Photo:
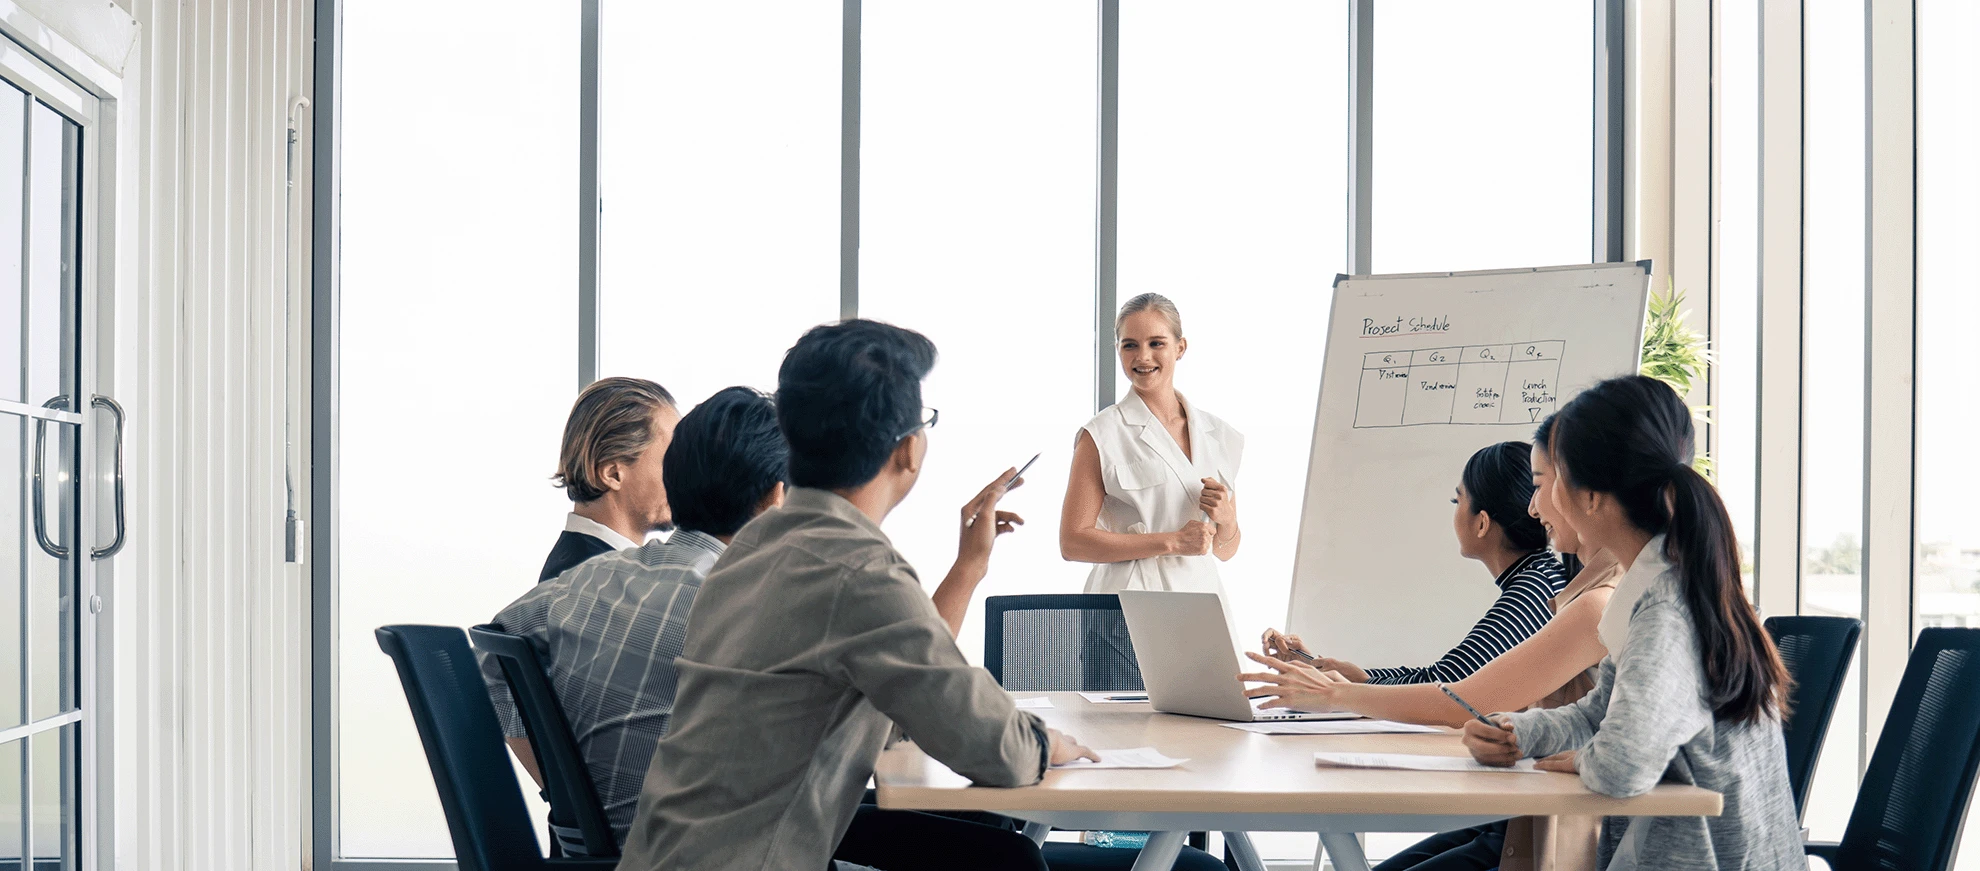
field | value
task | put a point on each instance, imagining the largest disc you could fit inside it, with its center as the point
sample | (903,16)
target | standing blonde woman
(1150,501)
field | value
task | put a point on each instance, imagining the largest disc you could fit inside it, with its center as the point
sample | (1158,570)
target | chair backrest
(1914,794)
(1064,643)
(567,780)
(1817,651)
(478,792)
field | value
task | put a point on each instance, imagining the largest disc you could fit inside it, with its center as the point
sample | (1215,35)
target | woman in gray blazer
(1693,690)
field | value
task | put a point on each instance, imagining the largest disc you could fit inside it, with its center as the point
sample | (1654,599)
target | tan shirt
(1579,686)
(811,637)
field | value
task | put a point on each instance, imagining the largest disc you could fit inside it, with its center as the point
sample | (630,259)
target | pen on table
(1467,706)
(1138,697)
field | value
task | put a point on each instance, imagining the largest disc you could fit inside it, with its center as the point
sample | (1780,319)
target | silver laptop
(1189,660)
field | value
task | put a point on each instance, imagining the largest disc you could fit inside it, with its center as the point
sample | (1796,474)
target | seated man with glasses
(812,638)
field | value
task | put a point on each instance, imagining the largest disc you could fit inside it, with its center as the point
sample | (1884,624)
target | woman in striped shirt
(1494,528)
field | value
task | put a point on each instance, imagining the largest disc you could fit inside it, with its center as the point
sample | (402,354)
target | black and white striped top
(1526,590)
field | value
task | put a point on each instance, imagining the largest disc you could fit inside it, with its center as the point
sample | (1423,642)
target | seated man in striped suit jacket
(611,627)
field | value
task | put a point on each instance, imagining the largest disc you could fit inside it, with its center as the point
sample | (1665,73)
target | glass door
(50,427)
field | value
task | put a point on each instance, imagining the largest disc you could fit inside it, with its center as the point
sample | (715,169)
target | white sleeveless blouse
(1152,487)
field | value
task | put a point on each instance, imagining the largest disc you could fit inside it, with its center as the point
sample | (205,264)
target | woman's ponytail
(1743,671)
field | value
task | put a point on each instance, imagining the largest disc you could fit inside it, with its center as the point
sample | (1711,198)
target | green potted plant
(1677,355)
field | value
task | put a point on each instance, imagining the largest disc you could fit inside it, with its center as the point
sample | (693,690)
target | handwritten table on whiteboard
(1236,781)
(1467,384)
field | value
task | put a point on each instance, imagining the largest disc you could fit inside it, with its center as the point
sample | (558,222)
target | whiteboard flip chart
(1420,372)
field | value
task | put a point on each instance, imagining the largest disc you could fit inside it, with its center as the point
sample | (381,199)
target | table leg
(1161,851)
(1037,832)
(1345,849)
(1242,850)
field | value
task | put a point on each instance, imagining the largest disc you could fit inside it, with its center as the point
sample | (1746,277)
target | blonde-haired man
(610,466)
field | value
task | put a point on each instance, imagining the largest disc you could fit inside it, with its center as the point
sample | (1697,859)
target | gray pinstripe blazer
(612,626)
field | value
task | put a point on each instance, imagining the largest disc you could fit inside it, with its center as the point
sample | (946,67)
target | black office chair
(1064,643)
(478,791)
(1817,651)
(577,817)
(1914,794)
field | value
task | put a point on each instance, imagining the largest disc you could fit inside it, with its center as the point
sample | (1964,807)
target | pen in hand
(1280,645)
(1467,706)
(1009,483)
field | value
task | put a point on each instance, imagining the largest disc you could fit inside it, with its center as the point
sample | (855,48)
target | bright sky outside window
(459,326)
(1233,204)
(978,152)
(719,172)
(1832,430)
(1484,117)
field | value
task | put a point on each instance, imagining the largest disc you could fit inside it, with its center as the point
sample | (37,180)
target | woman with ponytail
(1693,689)
(1493,527)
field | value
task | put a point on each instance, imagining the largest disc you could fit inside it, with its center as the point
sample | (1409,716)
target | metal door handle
(117,477)
(40,519)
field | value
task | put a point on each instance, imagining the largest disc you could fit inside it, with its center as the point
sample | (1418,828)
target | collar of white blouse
(1202,437)
(1643,572)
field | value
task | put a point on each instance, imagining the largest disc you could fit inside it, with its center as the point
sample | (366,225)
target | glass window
(1832,325)
(719,172)
(458,358)
(13,186)
(46,541)
(52,803)
(1484,132)
(54,173)
(1735,412)
(1233,122)
(1948,573)
(976,228)
(12,808)
(1948,120)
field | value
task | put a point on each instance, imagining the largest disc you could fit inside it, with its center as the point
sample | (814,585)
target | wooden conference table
(1236,781)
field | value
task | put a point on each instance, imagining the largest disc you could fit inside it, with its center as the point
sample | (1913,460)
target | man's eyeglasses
(934,414)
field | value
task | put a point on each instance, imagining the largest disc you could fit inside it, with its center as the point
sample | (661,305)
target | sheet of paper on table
(1125,757)
(1035,702)
(1331,727)
(1415,762)
(1120,698)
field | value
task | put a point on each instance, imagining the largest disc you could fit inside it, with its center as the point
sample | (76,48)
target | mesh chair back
(1817,651)
(577,817)
(478,791)
(1066,643)
(1914,794)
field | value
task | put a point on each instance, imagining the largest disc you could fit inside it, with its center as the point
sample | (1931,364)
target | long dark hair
(1570,563)
(1632,438)
(1499,480)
